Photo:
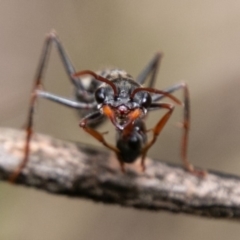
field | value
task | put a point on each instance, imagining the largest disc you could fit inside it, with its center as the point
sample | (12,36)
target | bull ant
(113,94)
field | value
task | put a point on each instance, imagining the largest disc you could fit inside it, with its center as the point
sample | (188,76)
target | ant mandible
(113,94)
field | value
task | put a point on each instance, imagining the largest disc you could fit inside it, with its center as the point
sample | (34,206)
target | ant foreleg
(186,118)
(92,117)
(95,116)
(152,69)
(185,124)
(157,129)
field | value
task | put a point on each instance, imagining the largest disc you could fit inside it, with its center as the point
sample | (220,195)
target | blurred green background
(201,45)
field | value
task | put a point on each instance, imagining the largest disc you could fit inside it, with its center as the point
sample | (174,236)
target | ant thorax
(114,73)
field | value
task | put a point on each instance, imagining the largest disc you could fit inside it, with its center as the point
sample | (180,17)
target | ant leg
(68,66)
(157,129)
(65,101)
(52,37)
(151,68)
(185,124)
(52,97)
(99,136)
(186,121)
(92,117)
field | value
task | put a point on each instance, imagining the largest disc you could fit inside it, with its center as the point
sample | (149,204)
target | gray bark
(77,170)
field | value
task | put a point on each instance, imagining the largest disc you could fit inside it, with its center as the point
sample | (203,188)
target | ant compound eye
(100,95)
(146,100)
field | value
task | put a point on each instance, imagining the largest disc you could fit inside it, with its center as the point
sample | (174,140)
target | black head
(125,87)
(120,97)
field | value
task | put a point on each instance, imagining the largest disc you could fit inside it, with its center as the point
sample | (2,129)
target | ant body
(116,95)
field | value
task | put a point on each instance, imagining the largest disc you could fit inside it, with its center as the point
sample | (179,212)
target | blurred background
(201,45)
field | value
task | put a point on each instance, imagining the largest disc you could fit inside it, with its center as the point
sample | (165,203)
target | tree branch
(81,171)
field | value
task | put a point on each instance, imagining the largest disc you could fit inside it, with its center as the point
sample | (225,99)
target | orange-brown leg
(157,129)
(185,125)
(17,171)
(99,136)
(37,85)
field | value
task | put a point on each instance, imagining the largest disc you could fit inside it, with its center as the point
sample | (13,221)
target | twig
(81,171)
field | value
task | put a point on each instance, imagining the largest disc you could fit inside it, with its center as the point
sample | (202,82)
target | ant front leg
(157,129)
(185,124)
(93,117)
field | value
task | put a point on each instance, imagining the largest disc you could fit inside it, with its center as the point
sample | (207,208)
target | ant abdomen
(130,146)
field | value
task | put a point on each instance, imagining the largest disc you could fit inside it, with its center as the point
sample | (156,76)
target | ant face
(122,108)
(123,103)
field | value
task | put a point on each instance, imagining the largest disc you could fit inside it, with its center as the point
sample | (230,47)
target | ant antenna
(152,90)
(97,77)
